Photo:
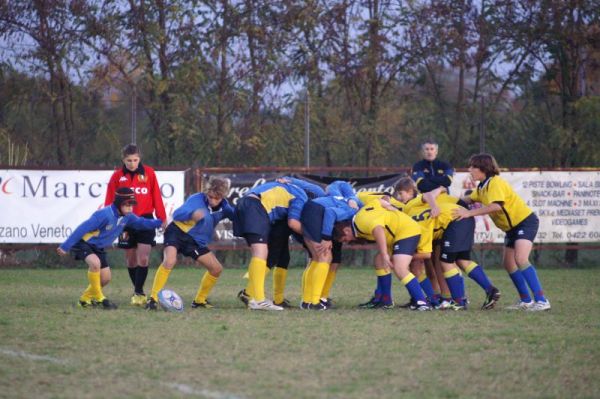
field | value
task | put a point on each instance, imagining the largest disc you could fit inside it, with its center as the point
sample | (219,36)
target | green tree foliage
(228,82)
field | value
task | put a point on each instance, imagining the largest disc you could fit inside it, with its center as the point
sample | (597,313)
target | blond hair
(218,186)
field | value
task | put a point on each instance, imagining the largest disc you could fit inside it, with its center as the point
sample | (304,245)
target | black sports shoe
(493,296)
(284,304)
(305,305)
(151,304)
(202,305)
(369,304)
(108,305)
(318,306)
(328,302)
(244,297)
(406,305)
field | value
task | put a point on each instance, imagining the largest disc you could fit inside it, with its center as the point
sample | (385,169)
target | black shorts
(406,246)
(130,237)
(526,230)
(457,240)
(312,220)
(185,244)
(279,245)
(251,221)
(82,250)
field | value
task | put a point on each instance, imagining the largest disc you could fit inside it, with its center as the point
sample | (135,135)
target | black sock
(140,279)
(131,271)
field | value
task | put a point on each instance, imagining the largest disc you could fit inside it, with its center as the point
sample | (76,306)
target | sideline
(31,356)
(186,389)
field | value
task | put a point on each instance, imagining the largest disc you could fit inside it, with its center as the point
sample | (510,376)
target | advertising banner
(45,206)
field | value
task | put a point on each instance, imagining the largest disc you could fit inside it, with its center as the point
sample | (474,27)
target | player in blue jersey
(318,218)
(189,234)
(256,213)
(89,240)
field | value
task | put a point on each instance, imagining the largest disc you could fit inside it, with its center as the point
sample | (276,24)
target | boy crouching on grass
(189,234)
(90,238)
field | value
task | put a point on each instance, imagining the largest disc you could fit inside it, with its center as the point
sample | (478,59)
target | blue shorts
(82,250)
(251,221)
(526,230)
(185,244)
(312,220)
(406,246)
(457,240)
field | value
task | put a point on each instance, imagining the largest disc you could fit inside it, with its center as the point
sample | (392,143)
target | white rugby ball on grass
(170,301)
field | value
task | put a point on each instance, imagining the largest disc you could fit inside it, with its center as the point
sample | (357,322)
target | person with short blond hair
(189,234)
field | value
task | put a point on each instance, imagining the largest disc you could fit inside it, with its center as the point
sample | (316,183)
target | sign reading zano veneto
(45,206)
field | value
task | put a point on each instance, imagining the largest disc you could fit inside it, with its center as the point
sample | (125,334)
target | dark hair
(124,195)
(218,186)
(338,229)
(429,141)
(405,184)
(485,163)
(130,149)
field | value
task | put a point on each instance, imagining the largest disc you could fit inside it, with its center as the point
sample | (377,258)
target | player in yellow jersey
(510,214)
(396,236)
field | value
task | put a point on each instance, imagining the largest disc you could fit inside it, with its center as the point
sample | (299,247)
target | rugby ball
(170,301)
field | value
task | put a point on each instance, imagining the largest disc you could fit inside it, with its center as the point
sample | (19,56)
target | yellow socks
(279,277)
(307,282)
(206,284)
(94,289)
(160,279)
(328,283)
(257,270)
(318,277)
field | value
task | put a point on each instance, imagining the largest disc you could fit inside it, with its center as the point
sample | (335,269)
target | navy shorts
(279,245)
(185,244)
(457,240)
(526,230)
(312,220)
(82,250)
(251,221)
(130,237)
(406,246)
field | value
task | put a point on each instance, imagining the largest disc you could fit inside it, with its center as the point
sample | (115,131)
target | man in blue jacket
(89,240)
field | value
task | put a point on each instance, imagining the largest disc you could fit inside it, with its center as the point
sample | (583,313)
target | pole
(307,128)
(482,129)
(134,116)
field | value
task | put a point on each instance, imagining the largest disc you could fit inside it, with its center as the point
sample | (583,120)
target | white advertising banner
(567,204)
(45,206)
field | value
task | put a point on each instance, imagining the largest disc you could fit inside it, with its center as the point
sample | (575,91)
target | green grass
(50,348)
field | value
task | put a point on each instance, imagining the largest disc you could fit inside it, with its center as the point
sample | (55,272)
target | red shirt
(144,184)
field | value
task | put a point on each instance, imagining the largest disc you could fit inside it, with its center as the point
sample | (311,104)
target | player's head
(343,232)
(405,189)
(482,166)
(124,200)
(429,149)
(131,156)
(217,189)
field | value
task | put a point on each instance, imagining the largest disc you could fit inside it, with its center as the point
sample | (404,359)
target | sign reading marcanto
(45,206)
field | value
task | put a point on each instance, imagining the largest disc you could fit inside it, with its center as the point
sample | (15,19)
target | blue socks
(520,284)
(530,276)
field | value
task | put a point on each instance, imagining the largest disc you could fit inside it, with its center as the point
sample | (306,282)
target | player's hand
(435,211)
(60,251)
(324,246)
(460,213)
(387,262)
(352,204)
(387,205)
(283,180)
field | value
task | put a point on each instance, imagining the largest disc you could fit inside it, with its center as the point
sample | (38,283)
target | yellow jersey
(396,225)
(496,189)
(367,197)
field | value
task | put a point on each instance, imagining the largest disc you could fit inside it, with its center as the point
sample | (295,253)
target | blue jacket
(281,200)
(201,231)
(336,210)
(343,190)
(105,225)
(430,175)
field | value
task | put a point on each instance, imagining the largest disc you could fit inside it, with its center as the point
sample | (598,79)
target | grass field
(51,349)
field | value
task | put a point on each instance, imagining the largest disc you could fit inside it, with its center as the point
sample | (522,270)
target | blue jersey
(343,190)
(312,190)
(105,225)
(202,230)
(335,210)
(280,200)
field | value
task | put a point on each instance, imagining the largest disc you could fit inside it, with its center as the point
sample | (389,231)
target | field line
(31,356)
(189,390)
